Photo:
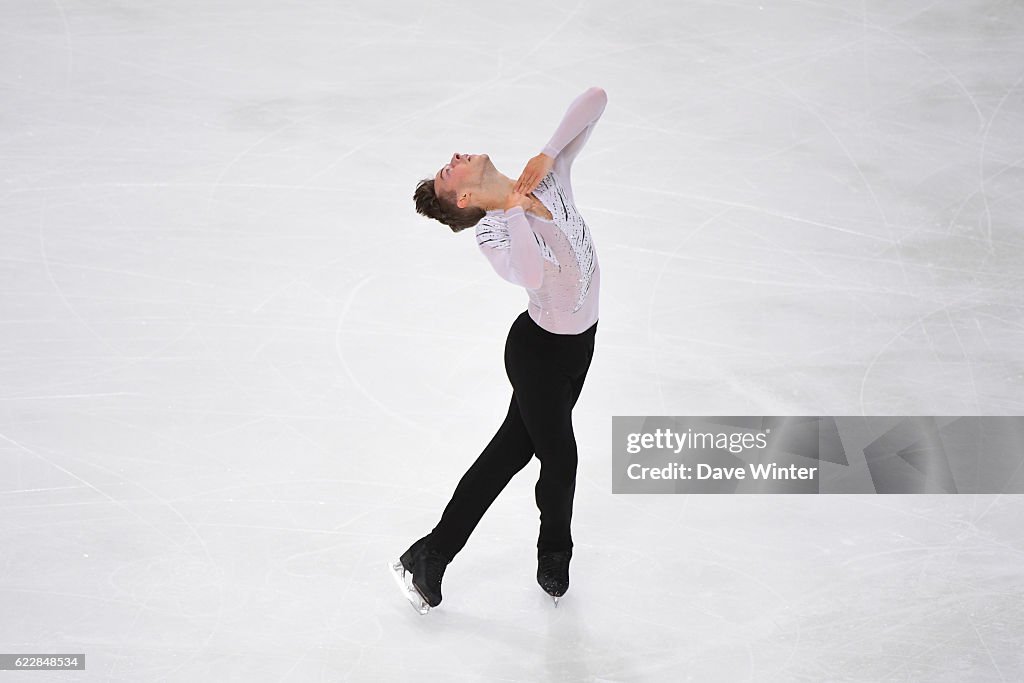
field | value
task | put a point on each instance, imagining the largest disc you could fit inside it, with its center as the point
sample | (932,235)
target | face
(462,173)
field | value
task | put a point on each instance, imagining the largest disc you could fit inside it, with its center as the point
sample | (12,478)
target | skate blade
(399,574)
(556,601)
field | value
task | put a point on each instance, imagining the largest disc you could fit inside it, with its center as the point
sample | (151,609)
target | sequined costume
(554,260)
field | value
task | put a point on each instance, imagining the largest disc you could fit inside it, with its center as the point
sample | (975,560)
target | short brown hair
(443,207)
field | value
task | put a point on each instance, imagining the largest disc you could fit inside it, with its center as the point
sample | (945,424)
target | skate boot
(426,567)
(553,572)
(408,555)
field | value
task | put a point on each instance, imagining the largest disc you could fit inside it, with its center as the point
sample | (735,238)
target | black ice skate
(553,572)
(418,574)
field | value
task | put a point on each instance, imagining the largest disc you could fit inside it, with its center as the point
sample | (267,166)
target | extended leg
(509,450)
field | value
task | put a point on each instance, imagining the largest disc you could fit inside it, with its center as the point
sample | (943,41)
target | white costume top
(554,260)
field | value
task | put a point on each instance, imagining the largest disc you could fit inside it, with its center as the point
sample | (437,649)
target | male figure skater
(533,235)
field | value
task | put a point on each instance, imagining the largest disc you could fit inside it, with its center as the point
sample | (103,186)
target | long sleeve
(515,254)
(575,128)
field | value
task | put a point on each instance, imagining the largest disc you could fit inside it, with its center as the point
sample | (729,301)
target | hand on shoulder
(536,168)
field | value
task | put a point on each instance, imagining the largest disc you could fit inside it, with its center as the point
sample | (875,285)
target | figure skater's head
(461,192)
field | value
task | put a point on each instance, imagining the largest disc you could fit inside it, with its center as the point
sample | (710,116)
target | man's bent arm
(575,127)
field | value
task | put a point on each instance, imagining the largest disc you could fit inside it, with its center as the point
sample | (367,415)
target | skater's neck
(496,192)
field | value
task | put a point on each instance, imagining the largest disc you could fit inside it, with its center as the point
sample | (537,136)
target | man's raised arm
(575,128)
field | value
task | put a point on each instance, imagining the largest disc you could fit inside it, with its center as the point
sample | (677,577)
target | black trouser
(547,372)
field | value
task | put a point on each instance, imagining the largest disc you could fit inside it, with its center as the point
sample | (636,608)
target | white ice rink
(238,372)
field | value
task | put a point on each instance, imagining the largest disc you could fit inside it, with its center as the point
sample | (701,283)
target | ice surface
(238,372)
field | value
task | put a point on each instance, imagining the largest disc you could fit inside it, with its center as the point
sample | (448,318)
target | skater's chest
(538,210)
(556,206)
